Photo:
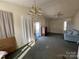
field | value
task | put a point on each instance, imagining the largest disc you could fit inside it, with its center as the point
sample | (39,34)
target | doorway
(37,30)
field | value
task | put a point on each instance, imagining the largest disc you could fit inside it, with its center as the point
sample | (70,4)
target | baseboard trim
(55,33)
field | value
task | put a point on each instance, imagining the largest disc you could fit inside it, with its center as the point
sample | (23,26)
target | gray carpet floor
(52,47)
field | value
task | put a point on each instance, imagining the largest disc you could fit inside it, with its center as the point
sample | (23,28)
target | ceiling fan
(60,15)
(35,10)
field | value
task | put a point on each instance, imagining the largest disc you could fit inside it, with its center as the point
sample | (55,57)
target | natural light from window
(65,25)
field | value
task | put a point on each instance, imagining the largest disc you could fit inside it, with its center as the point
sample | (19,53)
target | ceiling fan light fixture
(35,9)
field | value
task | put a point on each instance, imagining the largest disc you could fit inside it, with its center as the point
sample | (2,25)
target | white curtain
(6,24)
(27,30)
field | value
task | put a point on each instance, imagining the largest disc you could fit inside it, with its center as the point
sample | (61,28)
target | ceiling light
(35,10)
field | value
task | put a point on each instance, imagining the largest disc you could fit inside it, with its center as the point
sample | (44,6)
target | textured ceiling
(52,7)
(27,3)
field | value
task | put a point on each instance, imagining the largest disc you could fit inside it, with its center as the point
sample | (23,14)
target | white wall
(17,11)
(55,26)
(76,21)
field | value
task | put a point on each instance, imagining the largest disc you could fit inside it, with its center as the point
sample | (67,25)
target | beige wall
(76,21)
(17,11)
(42,21)
(55,26)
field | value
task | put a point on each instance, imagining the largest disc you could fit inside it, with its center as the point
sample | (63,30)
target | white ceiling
(52,7)
(27,3)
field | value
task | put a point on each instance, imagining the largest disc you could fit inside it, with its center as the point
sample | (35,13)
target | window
(65,25)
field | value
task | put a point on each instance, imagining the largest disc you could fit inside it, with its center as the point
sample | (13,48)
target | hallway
(52,47)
